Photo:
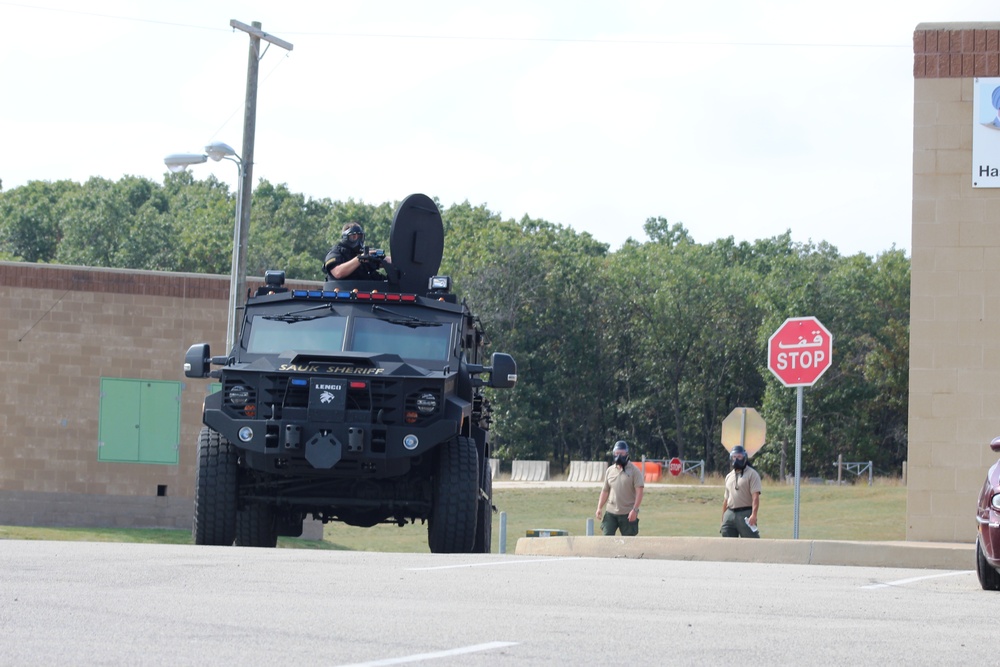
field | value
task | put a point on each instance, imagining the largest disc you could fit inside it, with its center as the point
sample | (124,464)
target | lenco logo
(329,387)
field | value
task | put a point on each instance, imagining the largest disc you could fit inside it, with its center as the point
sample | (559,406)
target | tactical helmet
(352,229)
(738,457)
(619,454)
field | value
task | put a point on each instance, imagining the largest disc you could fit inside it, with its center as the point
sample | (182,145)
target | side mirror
(197,360)
(503,371)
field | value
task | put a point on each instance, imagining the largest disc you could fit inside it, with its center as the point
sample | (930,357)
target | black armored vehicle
(362,402)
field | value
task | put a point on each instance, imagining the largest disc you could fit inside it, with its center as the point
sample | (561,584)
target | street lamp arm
(218,151)
(177,162)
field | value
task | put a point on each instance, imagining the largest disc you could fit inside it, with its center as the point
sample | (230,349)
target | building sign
(986,133)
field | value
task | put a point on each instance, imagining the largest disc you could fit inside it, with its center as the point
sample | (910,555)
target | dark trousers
(734,523)
(612,522)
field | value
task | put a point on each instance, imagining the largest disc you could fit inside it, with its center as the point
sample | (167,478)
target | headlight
(426,403)
(995,501)
(239,395)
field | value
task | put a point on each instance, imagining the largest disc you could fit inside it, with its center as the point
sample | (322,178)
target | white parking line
(491,564)
(901,582)
(434,655)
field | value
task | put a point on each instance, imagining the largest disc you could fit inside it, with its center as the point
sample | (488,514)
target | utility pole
(239,283)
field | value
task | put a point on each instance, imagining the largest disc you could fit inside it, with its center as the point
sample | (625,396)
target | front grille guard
(382,400)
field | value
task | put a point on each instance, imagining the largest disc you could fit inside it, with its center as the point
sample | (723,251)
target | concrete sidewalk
(915,555)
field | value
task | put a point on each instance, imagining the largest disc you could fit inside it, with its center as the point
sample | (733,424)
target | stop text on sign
(803,359)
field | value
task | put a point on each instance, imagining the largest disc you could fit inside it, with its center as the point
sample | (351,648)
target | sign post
(798,353)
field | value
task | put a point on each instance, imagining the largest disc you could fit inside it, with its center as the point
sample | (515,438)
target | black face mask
(739,463)
(621,460)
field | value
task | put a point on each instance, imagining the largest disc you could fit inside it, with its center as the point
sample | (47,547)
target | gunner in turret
(350,259)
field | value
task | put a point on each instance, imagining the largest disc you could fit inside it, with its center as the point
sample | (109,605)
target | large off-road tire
(989,578)
(451,526)
(484,513)
(257,526)
(216,494)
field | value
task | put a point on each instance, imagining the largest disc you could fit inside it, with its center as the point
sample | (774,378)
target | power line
(626,42)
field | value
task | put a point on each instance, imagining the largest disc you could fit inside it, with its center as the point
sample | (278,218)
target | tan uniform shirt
(740,488)
(622,485)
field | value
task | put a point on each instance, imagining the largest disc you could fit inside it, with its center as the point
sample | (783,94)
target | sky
(735,118)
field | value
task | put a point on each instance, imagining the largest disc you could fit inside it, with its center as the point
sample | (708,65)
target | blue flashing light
(299,382)
(300,293)
(315,294)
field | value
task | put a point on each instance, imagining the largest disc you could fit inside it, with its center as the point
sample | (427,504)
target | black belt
(741,509)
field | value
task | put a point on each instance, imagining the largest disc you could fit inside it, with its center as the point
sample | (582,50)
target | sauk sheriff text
(317,368)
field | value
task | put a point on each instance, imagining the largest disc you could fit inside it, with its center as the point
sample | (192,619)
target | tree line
(654,342)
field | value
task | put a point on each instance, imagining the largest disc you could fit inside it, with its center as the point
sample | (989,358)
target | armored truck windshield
(405,334)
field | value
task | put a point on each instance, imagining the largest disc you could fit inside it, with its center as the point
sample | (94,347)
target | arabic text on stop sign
(800,359)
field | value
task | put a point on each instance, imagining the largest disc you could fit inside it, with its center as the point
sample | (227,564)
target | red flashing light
(408,297)
(357,384)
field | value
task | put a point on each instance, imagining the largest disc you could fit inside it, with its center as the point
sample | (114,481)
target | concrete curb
(914,555)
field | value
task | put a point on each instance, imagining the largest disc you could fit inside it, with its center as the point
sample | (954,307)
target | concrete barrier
(586,471)
(917,555)
(529,471)
(494,468)
(312,530)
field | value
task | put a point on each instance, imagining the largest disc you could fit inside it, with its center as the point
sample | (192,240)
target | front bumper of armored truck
(334,426)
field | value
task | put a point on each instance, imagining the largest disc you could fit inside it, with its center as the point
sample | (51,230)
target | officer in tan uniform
(622,493)
(741,498)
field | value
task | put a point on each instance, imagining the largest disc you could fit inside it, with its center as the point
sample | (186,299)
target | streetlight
(219,151)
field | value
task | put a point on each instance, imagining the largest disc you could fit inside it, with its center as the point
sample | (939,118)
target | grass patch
(857,512)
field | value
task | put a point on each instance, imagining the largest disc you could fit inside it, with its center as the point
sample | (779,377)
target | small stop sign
(799,352)
(676,466)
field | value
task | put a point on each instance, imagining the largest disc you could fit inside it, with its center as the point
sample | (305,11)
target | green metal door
(139,421)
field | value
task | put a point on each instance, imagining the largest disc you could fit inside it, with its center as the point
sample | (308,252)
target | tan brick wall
(62,330)
(955,288)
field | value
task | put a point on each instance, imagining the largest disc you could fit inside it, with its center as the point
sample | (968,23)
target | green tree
(287,232)
(121,225)
(31,219)
(203,214)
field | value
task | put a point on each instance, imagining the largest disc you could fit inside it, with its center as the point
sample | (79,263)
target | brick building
(99,425)
(955,287)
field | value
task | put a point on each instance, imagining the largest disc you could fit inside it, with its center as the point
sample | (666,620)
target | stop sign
(745,427)
(676,466)
(799,352)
